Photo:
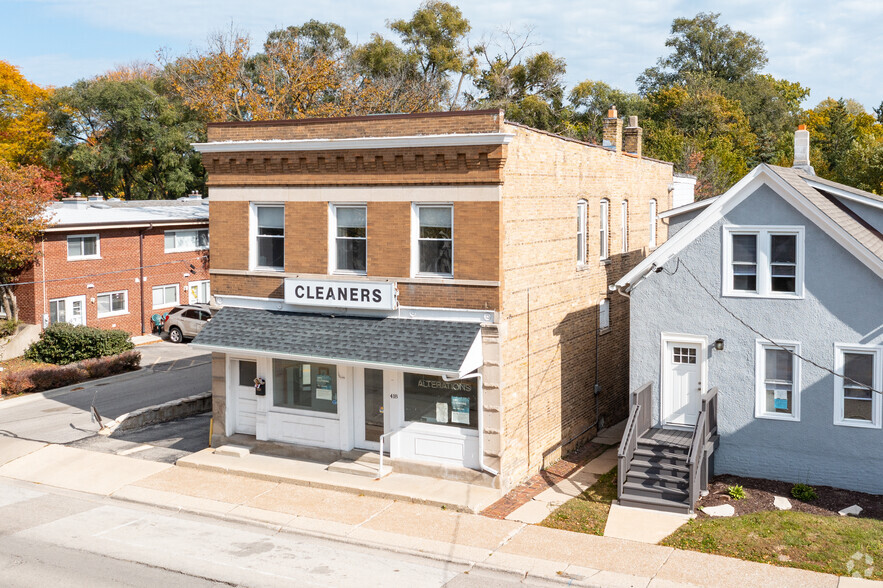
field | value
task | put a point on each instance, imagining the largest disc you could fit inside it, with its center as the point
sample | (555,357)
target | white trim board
(759,176)
(453,140)
(342,194)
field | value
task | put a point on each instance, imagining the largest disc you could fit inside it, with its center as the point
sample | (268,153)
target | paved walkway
(403,527)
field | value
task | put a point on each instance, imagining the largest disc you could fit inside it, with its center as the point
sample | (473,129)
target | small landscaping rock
(853,510)
(781,503)
(723,510)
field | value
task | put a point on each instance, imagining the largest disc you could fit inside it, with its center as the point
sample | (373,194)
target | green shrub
(63,343)
(804,492)
(56,376)
(8,327)
(736,492)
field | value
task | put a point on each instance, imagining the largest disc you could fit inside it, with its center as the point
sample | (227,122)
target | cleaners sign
(331,294)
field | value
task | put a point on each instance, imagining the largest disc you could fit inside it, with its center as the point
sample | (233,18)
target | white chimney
(801,150)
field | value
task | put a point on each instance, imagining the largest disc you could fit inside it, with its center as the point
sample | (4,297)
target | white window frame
(177,288)
(761,346)
(652,241)
(415,239)
(82,237)
(604,314)
(253,236)
(624,226)
(876,401)
(177,249)
(604,226)
(582,213)
(199,283)
(764,278)
(113,312)
(332,238)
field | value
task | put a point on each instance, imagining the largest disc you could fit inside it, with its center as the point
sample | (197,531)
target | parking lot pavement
(166,356)
(165,442)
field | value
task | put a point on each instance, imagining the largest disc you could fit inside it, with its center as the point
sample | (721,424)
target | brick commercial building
(433,282)
(113,264)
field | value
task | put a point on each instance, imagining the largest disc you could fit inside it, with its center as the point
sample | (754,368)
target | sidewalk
(402,527)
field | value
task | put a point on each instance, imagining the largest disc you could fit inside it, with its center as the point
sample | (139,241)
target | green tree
(125,137)
(701,46)
(590,101)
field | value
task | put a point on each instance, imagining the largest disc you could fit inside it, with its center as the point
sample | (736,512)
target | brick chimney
(801,150)
(632,137)
(613,130)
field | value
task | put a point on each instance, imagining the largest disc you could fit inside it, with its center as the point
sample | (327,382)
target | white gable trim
(729,200)
(846,194)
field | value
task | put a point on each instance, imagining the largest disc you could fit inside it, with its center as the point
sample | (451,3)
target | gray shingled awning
(427,345)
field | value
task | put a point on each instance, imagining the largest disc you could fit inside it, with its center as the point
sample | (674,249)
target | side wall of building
(842,304)
(553,350)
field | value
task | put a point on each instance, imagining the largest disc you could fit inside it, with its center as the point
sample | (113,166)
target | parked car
(186,321)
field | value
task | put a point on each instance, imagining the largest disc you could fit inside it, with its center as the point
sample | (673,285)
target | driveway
(168,372)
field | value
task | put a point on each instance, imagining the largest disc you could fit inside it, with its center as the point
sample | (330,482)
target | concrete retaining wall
(169,411)
(16,345)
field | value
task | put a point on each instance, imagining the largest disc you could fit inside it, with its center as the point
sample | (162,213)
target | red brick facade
(53,276)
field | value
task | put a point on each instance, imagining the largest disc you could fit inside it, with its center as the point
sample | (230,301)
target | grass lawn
(587,513)
(788,538)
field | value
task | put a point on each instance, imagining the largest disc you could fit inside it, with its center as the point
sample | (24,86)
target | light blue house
(757,340)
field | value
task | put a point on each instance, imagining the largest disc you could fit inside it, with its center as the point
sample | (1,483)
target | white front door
(68,310)
(682,382)
(246,402)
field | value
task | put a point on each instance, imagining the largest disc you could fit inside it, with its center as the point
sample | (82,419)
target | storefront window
(306,386)
(429,399)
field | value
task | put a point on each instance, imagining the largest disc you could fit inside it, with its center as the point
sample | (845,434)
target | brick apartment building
(113,264)
(437,282)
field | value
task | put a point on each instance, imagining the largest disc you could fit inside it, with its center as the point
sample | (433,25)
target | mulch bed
(555,473)
(759,496)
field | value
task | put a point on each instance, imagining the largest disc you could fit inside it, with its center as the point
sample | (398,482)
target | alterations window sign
(340,294)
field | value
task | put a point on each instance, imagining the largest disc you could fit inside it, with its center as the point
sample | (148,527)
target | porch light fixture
(719,345)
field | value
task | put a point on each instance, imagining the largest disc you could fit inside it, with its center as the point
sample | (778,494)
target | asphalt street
(63,416)
(56,537)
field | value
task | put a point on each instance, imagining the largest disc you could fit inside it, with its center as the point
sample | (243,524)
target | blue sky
(831,47)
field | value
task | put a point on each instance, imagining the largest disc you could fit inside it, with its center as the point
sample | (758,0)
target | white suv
(186,321)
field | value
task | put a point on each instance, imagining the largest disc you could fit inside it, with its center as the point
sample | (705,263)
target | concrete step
(358,468)
(649,490)
(658,480)
(660,456)
(655,504)
(643,465)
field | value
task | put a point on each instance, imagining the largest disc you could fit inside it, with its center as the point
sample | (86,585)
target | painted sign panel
(339,294)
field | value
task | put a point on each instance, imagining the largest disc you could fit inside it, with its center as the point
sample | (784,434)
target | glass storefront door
(369,410)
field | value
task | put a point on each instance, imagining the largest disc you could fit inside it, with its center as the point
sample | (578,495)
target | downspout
(43,268)
(480,400)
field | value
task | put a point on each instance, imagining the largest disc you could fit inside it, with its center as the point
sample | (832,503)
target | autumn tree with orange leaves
(25,194)
(24,133)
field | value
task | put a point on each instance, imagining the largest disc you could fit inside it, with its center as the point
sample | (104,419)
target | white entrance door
(682,382)
(246,403)
(68,310)
(369,413)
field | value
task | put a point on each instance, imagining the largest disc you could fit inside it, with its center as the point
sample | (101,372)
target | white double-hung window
(604,214)
(765,262)
(186,240)
(624,226)
(113,303)
(435,240)
(582,208)
(350,239)
(857,402)
(165,296)
(777,386)
(83,247)
(269,237)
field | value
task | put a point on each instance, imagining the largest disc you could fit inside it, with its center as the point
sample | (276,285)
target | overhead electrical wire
(122,271)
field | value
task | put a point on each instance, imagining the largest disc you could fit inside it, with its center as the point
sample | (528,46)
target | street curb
(559,579)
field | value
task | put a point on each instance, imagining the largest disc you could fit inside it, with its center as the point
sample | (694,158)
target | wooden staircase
(664,469)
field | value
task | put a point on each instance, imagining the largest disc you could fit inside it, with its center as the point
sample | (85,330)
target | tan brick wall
(476,240)
(306,237)
(549,356)
(389,239)
(228,234)
(366,126)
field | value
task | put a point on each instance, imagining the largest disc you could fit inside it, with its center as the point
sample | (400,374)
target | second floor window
(82,247)
(763,261)
(189,240)
(652,242)
(435,240)
(581,210)
(350,239)
(605,223)
(270,237)
(625,226)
